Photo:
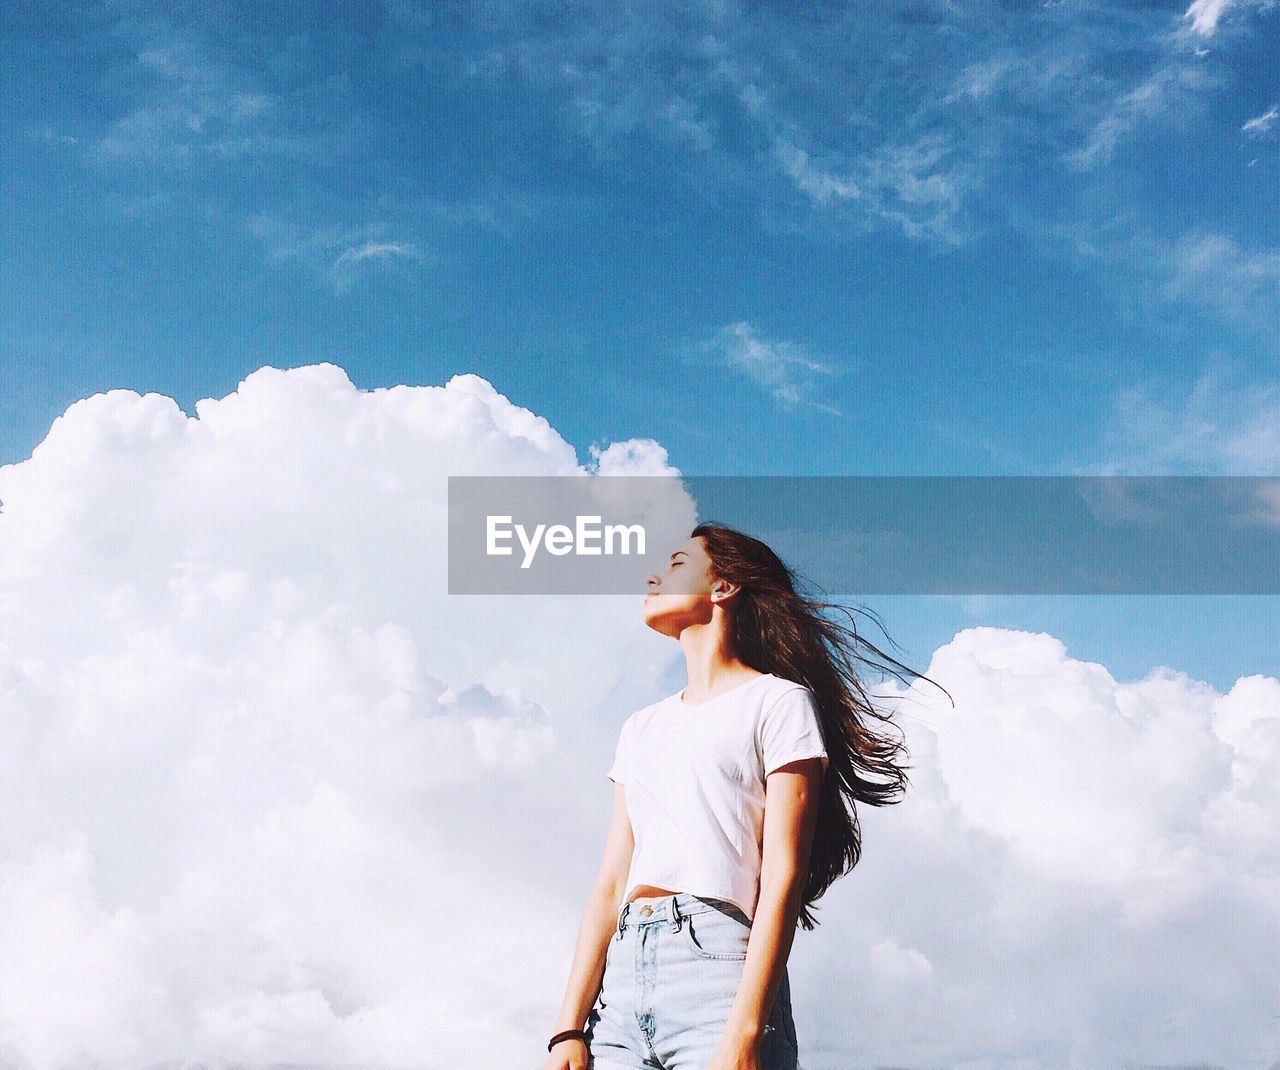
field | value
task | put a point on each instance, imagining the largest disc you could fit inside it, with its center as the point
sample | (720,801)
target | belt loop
(673,912)
(622,919)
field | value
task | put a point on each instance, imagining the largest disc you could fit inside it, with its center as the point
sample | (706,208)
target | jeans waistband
(670,909)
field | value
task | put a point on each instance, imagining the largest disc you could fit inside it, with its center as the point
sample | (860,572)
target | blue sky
(916,238)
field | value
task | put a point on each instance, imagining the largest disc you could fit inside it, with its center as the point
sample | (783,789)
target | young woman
(733,811)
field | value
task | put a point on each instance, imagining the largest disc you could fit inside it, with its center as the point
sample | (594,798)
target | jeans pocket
(711,934)
(777,1050)
(607,975)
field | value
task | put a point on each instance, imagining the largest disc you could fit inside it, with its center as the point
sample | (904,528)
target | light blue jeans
(671,974)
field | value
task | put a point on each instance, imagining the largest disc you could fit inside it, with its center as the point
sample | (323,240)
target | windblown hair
(779,630)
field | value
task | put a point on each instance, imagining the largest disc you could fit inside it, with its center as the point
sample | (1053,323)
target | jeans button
(646,910)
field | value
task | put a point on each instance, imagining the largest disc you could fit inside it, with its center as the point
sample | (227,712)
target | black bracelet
(568,1034)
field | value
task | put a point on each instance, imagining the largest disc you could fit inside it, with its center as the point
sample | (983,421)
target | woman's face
(680,592)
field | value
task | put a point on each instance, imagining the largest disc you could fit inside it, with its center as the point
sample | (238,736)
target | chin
(663,627)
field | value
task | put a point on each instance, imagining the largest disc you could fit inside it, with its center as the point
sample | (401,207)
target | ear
(723,590)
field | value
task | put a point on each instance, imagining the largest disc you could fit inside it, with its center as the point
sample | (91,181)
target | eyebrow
(673,556)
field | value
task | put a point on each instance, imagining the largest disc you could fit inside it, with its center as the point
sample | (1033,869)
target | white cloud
(1078,860)
(1260,125)
(781,367)
(1204,15)
(817,183)
(1214,427)
(349,261)
(338,255)
(1170,93)
(1212,269)
(724,92)
(205,110)
(1200,268)
(902,963)
(270,797)
(265,788)
(918,186)
(922,186)
(373,250)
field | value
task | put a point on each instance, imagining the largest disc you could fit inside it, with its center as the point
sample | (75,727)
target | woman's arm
(790,817)
(599,923)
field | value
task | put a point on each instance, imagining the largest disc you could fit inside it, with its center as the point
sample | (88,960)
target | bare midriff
(648,890)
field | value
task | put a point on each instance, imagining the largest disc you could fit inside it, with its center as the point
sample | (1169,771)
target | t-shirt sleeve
(619,772)
(790,730)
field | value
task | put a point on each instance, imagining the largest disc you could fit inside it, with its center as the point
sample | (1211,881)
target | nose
(652,584)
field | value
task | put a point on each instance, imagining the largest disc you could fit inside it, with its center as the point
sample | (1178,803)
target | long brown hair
(779,630)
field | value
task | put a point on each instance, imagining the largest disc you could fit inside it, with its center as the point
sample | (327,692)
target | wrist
(568,1036)
(743,1032)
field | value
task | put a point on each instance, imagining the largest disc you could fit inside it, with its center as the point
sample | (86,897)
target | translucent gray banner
(861,535)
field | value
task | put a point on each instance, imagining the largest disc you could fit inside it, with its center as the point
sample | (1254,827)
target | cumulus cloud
(266,789)
(272,797)
(1084,875)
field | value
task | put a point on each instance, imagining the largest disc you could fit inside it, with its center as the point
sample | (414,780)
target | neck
(709,656)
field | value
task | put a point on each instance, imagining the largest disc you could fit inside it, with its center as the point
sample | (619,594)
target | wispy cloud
(1171,92)
(833,124)
(923,185)
(372,250)
(191,107)
(811,180)
(336,255)
(786,370)
(349,262)
(1260,125)
(1221,425)
(1205,15)
(54,137)
(919,121)
(920,186)
(766,114)
(1214,270)
(1199,269)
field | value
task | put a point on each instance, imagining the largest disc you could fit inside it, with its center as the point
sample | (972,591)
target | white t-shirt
(695,778)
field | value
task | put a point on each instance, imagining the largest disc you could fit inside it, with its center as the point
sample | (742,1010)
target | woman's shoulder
(637,718)
(779,685)
(779,696)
